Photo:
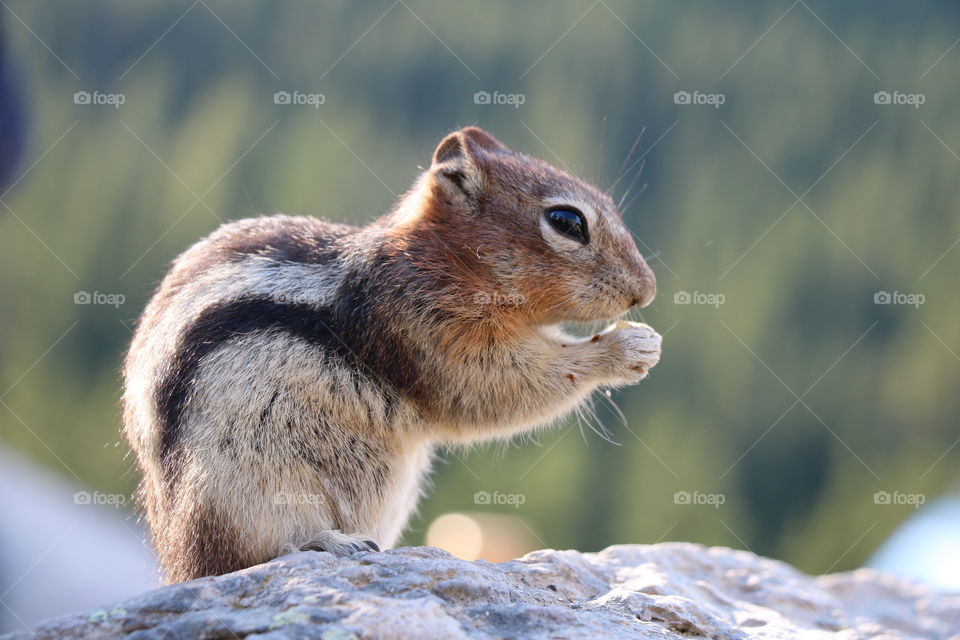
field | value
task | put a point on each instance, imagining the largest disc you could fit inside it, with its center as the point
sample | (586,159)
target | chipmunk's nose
(646,288)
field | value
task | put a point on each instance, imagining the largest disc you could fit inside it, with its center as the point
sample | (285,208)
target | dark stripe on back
(356,330)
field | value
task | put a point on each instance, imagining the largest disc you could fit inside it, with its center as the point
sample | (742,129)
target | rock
(670,590)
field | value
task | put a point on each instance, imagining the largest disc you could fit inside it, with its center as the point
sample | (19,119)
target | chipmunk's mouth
(599,303)
(585,326)
(598,316)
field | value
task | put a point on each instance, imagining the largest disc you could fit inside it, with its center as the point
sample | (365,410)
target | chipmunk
(289,380)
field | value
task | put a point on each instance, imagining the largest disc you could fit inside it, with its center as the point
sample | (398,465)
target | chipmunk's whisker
(633,148)
(643,163)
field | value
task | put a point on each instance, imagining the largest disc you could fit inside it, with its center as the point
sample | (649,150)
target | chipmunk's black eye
(569,222)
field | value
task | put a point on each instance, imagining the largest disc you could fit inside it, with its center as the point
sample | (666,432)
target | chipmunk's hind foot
(340,544)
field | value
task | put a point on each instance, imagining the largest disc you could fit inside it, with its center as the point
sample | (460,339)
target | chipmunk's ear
(483,139)
(456,166)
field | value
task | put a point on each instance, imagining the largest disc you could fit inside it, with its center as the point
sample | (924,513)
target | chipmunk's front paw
(340,544)
(636,349)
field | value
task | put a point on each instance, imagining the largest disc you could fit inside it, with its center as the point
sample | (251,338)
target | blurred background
(790,169)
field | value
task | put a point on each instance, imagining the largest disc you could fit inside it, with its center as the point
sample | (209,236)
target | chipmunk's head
(547,243)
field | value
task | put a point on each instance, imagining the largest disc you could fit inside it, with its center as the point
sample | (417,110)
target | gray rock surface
(670,590)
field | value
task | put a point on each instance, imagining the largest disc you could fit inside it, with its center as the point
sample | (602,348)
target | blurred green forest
(794,202)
